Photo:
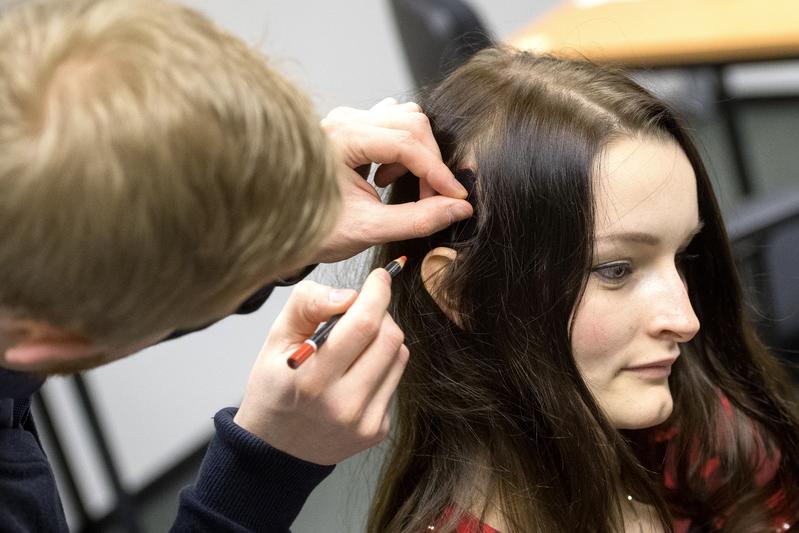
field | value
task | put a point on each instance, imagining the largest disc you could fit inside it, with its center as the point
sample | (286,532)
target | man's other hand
(337,403)
(400,139)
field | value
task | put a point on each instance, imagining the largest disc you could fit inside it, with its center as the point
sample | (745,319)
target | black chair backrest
(765,236)
(438,36)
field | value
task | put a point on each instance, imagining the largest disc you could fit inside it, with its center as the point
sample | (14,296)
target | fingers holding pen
(309,305)
(369,370)
(322,412)
(376,374)
(380,407)
(364,392)
(359,327)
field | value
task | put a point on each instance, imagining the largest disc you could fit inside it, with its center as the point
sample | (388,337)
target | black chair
(765,236)
(438,36)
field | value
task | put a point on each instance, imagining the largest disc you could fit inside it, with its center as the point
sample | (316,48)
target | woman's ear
(434,267)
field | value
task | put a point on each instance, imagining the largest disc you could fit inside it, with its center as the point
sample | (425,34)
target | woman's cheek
(598,336)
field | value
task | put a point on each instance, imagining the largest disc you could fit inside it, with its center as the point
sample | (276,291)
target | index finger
(308,305)
(358,327)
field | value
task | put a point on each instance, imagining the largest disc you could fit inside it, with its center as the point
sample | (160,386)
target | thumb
(309,305)
(412,220)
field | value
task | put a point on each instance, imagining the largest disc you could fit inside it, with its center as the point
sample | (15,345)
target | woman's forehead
(644,185)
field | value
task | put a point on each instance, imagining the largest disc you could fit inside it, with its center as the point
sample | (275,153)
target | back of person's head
(493,413)
(153,169)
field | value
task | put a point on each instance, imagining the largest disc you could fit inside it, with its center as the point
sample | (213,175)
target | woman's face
(635,312)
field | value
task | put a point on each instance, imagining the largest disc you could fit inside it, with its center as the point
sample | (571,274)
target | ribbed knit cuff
(251,483)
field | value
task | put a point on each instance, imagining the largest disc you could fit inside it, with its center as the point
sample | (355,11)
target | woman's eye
(614,272)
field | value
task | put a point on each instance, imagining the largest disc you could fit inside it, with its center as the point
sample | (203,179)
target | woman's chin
(644,411)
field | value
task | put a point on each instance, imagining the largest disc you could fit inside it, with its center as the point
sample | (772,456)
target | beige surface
(667,32)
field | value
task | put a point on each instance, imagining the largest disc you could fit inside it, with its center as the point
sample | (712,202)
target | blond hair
(152,167)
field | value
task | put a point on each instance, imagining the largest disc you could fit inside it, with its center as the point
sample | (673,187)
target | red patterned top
(468,523)
(768,469)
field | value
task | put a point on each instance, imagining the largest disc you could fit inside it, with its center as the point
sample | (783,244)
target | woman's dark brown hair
(493,413)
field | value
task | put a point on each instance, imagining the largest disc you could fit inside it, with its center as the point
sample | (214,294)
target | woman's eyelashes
(616,273)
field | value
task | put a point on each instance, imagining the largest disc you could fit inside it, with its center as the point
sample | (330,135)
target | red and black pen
(319,337)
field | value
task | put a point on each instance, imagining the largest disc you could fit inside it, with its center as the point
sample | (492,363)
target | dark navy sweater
(243,484)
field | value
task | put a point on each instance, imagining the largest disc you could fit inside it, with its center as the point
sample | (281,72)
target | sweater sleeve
(246,485)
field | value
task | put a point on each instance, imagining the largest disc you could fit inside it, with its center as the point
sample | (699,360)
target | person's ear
(34,345)
(434,267)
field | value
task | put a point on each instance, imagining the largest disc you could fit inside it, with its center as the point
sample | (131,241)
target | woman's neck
(639,517)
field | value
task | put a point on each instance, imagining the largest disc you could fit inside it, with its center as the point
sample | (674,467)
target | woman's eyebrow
(641,237)
(638,237)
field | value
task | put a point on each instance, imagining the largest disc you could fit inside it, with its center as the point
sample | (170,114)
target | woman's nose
(674,315)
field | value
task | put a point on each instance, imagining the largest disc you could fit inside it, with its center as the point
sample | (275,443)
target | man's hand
(399,138)
(337,403)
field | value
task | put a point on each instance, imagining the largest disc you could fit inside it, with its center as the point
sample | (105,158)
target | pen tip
(402,260)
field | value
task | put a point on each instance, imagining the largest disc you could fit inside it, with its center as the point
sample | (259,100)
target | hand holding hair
(399,138)
(338,405)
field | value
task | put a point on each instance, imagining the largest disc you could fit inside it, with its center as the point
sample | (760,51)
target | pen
(319,337)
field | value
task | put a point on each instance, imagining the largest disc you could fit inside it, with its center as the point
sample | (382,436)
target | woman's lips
(654,370)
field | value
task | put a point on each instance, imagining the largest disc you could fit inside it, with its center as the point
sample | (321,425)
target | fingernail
(462,190)
(383,274)
(337,296)
(460,211)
